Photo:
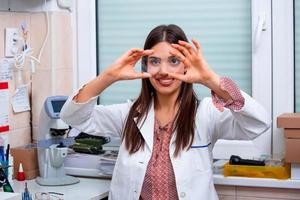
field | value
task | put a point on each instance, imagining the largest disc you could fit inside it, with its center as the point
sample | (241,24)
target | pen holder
(5,165)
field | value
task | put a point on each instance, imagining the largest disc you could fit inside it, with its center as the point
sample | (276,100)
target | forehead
(161,49)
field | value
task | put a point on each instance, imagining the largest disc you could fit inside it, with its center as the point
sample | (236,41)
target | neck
(166,103)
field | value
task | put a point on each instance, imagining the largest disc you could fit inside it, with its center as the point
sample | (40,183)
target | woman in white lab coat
(167,133)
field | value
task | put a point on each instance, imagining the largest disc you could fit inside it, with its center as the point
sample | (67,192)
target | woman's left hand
(197,69)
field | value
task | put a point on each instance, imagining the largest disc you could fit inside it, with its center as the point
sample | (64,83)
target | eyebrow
(153,57)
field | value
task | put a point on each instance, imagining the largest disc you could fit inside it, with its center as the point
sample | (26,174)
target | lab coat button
(182,194)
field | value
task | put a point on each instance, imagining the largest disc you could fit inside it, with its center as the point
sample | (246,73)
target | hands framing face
(197,69)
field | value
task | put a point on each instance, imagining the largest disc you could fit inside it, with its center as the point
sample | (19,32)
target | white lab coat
(193,168)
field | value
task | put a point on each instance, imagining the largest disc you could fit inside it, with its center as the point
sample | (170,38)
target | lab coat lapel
(147,128)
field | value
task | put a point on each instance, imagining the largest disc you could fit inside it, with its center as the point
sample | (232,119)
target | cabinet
(256,193)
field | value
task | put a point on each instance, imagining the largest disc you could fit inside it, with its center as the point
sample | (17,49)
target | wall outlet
(11,42)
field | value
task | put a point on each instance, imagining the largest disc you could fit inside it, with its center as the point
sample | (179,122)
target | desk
(90,188)
(87,188)
(9,196)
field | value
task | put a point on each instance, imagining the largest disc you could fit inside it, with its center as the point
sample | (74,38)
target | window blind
(297,56)
(223,28)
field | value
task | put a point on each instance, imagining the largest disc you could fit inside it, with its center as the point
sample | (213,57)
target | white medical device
(51,148)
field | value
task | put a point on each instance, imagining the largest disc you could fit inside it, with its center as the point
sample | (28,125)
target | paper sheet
(6,70)
(4,106)
(20,100)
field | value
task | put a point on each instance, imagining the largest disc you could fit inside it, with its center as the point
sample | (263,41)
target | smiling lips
(165,81)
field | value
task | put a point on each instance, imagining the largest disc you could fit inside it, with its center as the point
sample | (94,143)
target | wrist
(212,81)
(109,76)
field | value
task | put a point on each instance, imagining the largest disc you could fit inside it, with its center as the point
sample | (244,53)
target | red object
(4,86)
(21,174)
(4,128)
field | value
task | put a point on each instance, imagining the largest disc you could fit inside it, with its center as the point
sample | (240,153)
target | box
(289,120)
(292,133)
(292,150)
(276,172)
(28,157)
(291,124)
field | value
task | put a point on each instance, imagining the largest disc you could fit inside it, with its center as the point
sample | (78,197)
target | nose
(163,70)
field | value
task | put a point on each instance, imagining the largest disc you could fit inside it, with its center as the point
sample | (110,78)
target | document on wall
(4,106)
(20,100)
(6,70)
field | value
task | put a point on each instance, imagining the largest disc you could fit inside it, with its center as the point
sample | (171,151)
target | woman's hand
(123,68)
(197,69)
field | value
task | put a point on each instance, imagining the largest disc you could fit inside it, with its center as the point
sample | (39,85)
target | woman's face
(159,64)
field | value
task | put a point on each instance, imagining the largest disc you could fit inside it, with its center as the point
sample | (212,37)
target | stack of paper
(107,162)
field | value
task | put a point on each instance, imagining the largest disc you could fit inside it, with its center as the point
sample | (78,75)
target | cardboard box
(291,124)
(28,157)
(288,120)
(292,150)
(292,133)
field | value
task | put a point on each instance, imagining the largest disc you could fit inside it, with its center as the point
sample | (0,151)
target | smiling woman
(222,27)
(167,133)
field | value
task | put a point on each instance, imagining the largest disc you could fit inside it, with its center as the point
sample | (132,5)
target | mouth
(165,82)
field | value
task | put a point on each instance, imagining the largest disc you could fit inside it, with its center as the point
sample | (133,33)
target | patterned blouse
(159,182)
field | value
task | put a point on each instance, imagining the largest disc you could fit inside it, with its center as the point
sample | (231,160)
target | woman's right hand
(121,69)
(124,67)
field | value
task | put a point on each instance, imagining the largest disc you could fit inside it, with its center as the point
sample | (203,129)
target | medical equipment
(52,147)
(90,164)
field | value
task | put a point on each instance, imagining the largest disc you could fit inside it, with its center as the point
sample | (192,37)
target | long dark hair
(184,122)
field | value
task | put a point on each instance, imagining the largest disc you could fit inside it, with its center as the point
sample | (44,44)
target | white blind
(297,55)
(222,27)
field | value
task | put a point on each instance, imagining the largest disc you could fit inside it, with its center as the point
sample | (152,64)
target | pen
(7,153)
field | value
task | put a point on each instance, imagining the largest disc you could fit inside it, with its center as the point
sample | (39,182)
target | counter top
(10,196)
(87,188)
(90,188)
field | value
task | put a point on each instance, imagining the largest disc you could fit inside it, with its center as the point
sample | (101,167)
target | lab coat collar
(146,126)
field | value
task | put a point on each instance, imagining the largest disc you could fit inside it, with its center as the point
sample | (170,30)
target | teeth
(165,81)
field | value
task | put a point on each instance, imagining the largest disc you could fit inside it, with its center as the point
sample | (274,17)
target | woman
(167,133)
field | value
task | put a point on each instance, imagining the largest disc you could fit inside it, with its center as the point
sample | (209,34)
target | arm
(80,110)
(242,117)
(246,123)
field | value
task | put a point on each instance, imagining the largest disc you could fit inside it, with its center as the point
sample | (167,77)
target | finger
(148,52)
(137,54)
(142,75)
(134,50)
(197,44)
(185,52)
(188,46)
(178,54)
(177,76)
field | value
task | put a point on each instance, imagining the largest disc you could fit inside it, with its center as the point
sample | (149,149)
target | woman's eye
(154,61)
(174,61)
